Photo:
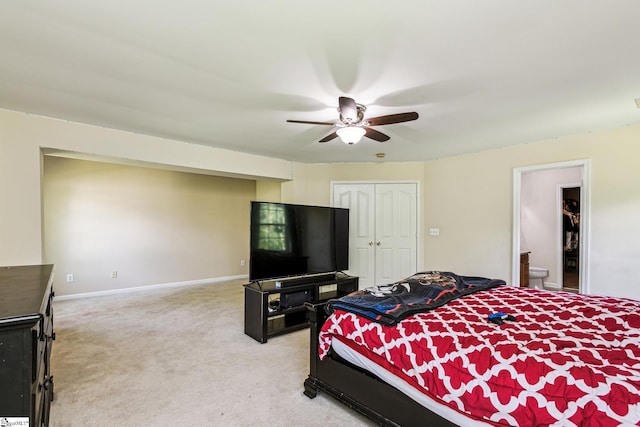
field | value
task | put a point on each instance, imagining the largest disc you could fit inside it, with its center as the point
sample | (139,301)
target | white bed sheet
(361,361)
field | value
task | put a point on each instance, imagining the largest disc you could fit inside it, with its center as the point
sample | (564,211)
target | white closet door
(383,230)
(360,199)
(396,232)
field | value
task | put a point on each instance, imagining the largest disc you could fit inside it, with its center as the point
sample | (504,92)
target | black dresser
(26,337)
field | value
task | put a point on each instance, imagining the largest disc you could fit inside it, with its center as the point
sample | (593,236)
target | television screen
(295,240)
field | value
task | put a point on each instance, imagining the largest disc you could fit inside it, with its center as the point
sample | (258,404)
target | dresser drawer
(42,389)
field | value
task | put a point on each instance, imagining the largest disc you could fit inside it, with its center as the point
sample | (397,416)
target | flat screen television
(296,240)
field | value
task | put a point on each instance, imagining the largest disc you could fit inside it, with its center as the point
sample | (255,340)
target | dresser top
(22,290)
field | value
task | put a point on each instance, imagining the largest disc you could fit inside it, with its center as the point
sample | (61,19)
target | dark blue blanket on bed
(389,304)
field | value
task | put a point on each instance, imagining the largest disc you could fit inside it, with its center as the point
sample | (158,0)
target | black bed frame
(359,390)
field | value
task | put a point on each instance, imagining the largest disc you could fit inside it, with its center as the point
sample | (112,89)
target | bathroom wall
(539,225)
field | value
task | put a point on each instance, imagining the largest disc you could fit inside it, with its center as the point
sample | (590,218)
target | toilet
(537,276)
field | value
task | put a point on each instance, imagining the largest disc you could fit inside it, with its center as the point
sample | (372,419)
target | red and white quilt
(567,360)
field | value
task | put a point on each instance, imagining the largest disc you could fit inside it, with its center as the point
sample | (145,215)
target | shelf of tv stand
(290,315)
(286,311)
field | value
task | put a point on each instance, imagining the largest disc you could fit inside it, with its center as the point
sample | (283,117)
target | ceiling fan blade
(329,137)
(311,123)
(392,118)
(348,109)
(376,135)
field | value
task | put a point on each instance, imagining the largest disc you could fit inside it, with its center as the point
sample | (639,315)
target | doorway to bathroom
(538,223)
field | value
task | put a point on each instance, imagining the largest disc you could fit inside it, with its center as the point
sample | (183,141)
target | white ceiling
(482,74)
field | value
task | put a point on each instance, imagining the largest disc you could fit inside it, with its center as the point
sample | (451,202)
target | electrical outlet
(242,263)
(69,278)
(114,274)
(434,232)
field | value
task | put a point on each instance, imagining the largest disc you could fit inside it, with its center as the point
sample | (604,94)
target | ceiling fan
(352,125)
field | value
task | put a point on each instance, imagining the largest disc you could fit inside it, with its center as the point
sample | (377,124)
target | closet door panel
(360,262)
(384,266)
(385,213)
(359,199)
(405,223)
(396,232)
(406,261)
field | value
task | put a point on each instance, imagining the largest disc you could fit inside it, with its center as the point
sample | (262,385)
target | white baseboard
(150,287)
(552,285)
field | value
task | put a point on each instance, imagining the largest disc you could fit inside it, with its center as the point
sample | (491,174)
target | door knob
(378,244)
(370,243)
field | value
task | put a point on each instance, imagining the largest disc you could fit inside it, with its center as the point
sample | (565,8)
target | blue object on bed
(389,304)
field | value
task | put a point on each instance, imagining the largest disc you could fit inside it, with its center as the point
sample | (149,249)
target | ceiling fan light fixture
(352,125)
(351,134)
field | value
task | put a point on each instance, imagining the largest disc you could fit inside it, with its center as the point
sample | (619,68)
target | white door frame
(585,213)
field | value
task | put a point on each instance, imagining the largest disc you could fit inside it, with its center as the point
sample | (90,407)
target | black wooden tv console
(274,307)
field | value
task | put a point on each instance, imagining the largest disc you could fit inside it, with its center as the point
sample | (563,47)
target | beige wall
(20,207)
(468,197)
(268,191)
(151,226)
(311,183)
(449,190)
(23,136)
(470,203)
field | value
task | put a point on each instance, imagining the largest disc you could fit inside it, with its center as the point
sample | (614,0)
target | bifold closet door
(382,230)
(360,199)
(396,232)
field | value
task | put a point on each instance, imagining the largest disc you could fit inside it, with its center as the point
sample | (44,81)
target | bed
(476,352)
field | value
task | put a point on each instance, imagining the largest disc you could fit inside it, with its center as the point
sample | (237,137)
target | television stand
(275,307)
(303,280)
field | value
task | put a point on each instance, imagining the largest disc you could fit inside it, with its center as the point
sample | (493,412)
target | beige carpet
(179,357)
